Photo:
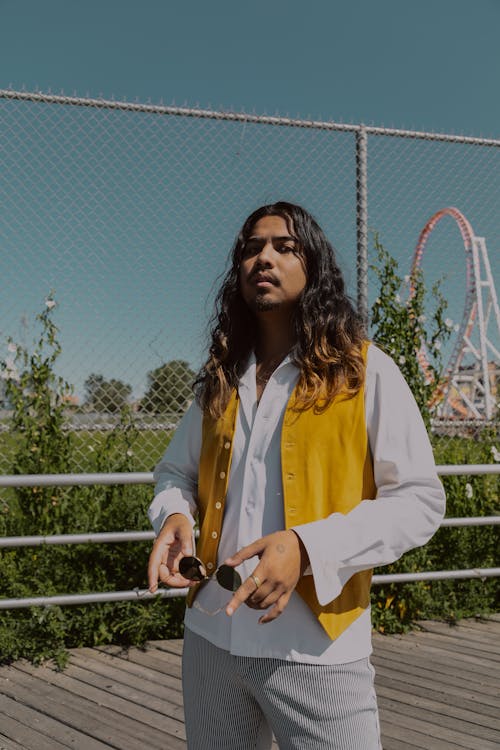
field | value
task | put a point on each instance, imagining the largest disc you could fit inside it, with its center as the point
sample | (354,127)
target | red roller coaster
(471,376)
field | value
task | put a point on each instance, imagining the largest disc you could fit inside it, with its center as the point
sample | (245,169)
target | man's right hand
(174,541)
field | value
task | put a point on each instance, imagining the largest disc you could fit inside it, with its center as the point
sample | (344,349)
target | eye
(285,246)
(251,248)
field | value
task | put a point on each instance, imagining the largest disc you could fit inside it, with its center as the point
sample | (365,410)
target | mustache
(266,275)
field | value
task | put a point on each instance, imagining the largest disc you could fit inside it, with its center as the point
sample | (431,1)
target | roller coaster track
(467,390)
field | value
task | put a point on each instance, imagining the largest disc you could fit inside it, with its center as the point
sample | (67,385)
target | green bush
(37,397)
(401,326)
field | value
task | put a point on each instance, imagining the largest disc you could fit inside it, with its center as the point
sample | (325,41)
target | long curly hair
(328,333)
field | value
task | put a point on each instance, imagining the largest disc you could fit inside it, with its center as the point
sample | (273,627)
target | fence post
(362,222)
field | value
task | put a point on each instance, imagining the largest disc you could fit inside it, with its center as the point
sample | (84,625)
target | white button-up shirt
(408,508)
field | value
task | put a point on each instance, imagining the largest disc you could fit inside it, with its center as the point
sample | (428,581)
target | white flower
(377,301)
(456,327)
(437,345)
(130,453)
(397,298)
(402,360)
(407,279)
(448,323)
(11,347)
(468,490)
(495,453)
(422,318)
(50,303)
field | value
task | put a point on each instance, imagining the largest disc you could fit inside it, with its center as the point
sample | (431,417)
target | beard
(262,303)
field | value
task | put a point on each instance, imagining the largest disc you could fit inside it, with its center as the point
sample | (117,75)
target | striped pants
(238,702)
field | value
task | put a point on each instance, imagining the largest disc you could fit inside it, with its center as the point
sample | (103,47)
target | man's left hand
(283,559)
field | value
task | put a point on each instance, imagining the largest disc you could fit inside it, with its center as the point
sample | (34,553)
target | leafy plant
(406,329)
(38,397)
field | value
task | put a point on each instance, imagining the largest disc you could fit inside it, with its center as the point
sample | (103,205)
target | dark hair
(329,334)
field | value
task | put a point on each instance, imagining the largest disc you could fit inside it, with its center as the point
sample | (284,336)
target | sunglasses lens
(192,569)
(228,578)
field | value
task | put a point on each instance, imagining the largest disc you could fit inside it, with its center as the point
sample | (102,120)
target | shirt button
(227,445)
(210,566)
(222,474)
(218,505)
(214,535)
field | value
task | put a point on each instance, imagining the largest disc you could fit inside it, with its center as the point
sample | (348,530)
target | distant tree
(106,395)
(169,387)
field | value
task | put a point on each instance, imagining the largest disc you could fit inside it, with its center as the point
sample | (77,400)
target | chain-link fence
(124,214)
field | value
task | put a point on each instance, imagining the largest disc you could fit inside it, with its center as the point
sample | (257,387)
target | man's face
(272,269)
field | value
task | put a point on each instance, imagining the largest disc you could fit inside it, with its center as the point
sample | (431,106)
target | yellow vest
(326,468)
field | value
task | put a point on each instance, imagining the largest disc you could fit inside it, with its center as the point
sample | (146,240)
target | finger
(245,553)
(240,596)
(155,561)
(275,611)
(264,598)
(175,580)
(186,550)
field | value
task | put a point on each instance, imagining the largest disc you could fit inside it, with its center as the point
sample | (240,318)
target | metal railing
(63,480)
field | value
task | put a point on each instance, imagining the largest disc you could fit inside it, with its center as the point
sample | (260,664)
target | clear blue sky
(432,64)
(429,65)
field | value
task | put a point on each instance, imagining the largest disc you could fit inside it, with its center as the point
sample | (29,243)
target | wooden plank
(478,671)
(487,727)
(459,644)
(446,681)
(30,728)
(96,721)
(483,627)
(412,720)
(153,659)
(404,738)
(132,703)
(454,697)
(92,659)
(8,744)
(174,646)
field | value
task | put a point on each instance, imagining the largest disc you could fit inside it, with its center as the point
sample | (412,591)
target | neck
(274,339)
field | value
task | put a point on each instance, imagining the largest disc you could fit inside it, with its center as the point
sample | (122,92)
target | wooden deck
(438,689)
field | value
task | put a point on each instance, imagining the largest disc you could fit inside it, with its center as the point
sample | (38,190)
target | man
(305,461)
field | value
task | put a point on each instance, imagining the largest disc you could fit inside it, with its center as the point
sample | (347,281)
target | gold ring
(256,581)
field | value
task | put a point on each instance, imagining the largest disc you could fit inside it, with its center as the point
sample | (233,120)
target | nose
(265,255)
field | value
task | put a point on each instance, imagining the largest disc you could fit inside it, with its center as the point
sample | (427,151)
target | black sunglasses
(194,570)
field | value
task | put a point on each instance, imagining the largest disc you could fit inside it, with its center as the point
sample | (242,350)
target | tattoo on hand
(280,548)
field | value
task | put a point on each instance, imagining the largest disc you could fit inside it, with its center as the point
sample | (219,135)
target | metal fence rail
(144,594)
(136,536)
(111,478)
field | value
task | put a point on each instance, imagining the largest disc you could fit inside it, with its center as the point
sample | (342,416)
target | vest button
(210,566)
(214,535)
(222,474)
(218,505)
(227,445)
